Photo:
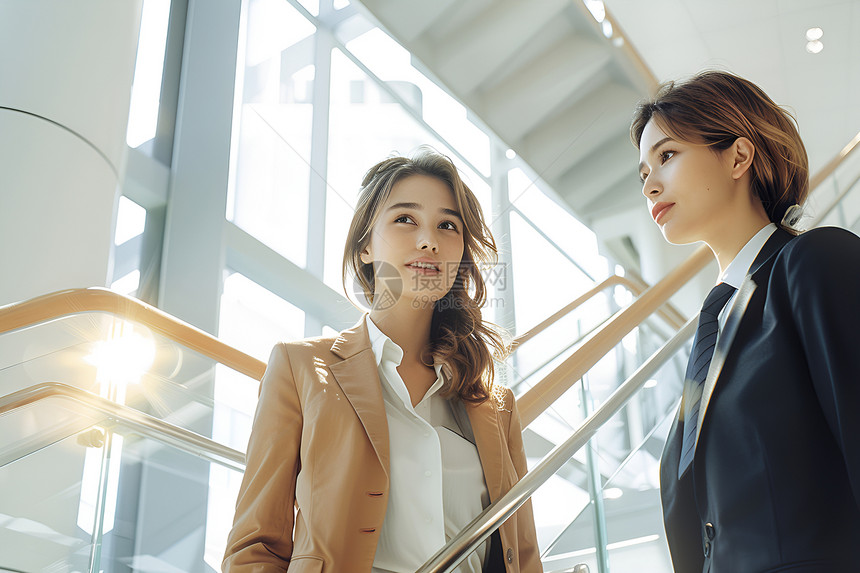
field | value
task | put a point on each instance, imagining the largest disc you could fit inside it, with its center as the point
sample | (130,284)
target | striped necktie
(697,368)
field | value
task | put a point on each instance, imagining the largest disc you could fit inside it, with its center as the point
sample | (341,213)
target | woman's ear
(742,153)
(366,256)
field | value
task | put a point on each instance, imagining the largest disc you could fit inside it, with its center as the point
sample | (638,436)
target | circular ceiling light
(814,47)
(814,34)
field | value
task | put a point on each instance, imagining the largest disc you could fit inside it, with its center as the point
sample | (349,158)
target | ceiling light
(650,383)
(510,153)
(814,34)
(814,47)
(607,28)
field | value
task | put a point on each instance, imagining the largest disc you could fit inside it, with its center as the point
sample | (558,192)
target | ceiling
(547,80)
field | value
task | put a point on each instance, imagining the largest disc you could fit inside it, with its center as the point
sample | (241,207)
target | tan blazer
(320,444)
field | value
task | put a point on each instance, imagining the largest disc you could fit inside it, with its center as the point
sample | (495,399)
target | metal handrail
(144,424)
(453,553)
(97,299)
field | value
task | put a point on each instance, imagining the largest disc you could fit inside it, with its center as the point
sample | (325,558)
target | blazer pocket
(306,565)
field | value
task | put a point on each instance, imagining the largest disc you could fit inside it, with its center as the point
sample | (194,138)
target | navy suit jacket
(775,480)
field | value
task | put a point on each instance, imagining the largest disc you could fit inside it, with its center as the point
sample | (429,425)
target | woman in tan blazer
(330,483)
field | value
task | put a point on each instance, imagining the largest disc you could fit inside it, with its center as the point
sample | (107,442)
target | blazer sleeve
(823,272)
(261,540)
(529,553)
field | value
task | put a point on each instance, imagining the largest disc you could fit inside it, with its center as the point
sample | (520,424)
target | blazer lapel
(485,425)
(736,313)
(358,377)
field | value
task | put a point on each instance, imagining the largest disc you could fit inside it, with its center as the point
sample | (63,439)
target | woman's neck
(407,327)
(731,236)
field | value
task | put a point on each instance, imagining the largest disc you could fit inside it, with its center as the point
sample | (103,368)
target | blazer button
(710,532)
(510,555)
(707,549)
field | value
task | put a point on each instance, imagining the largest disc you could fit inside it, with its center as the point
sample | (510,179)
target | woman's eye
(403,219)
(666,156)
(449,225)
(642,177)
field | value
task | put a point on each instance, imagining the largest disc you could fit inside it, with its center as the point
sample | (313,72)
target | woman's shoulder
(304,346)
(824,241)
(820,262)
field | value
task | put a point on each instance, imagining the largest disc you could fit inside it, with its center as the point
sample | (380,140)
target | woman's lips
(423,270)
(659,210)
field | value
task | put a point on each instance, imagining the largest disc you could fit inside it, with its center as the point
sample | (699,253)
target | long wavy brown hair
(459,336)
(715,108)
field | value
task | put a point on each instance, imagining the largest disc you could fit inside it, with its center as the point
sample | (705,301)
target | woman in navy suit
(761,469)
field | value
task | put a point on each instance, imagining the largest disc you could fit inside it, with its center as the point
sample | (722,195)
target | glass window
(253,319)
(130,221)
(148,71)
(270,169)
(392,63)
(577,240)
(365,127)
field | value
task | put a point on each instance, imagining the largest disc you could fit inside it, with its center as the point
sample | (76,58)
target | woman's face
(689,187)
(418,239)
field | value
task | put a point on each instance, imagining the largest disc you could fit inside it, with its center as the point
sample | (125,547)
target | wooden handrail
(97,299)
(544,393)
(668,311)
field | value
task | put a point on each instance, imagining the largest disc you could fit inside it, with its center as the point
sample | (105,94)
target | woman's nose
(429,243)
(651,188)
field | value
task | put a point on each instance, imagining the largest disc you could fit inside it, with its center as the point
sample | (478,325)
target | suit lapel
(358,377)
(485,425)
(745,293)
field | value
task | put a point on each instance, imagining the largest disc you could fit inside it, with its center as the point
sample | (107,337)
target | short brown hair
(715,108)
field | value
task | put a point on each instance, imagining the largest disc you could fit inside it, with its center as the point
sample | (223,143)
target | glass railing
(148,429)
(90,485)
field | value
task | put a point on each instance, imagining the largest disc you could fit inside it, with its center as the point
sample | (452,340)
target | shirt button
(510,555)
(427,473)
(707,549)
(710,532)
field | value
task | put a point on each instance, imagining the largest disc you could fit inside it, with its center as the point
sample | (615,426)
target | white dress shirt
(738,269)
(436,482)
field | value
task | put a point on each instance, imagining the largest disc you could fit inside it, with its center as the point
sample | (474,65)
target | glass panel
(392,63)
(130,220)
(575,239)
(366,126)
(253,319)
(119,360)
(626,454)
(538,295)
(148,71)
(270,169)
(108,499)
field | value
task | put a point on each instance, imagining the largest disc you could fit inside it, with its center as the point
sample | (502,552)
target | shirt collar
(382,346)
(386,349)
(739,267)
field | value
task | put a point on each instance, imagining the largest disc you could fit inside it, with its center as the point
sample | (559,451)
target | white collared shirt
(436,482)
(737,270)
